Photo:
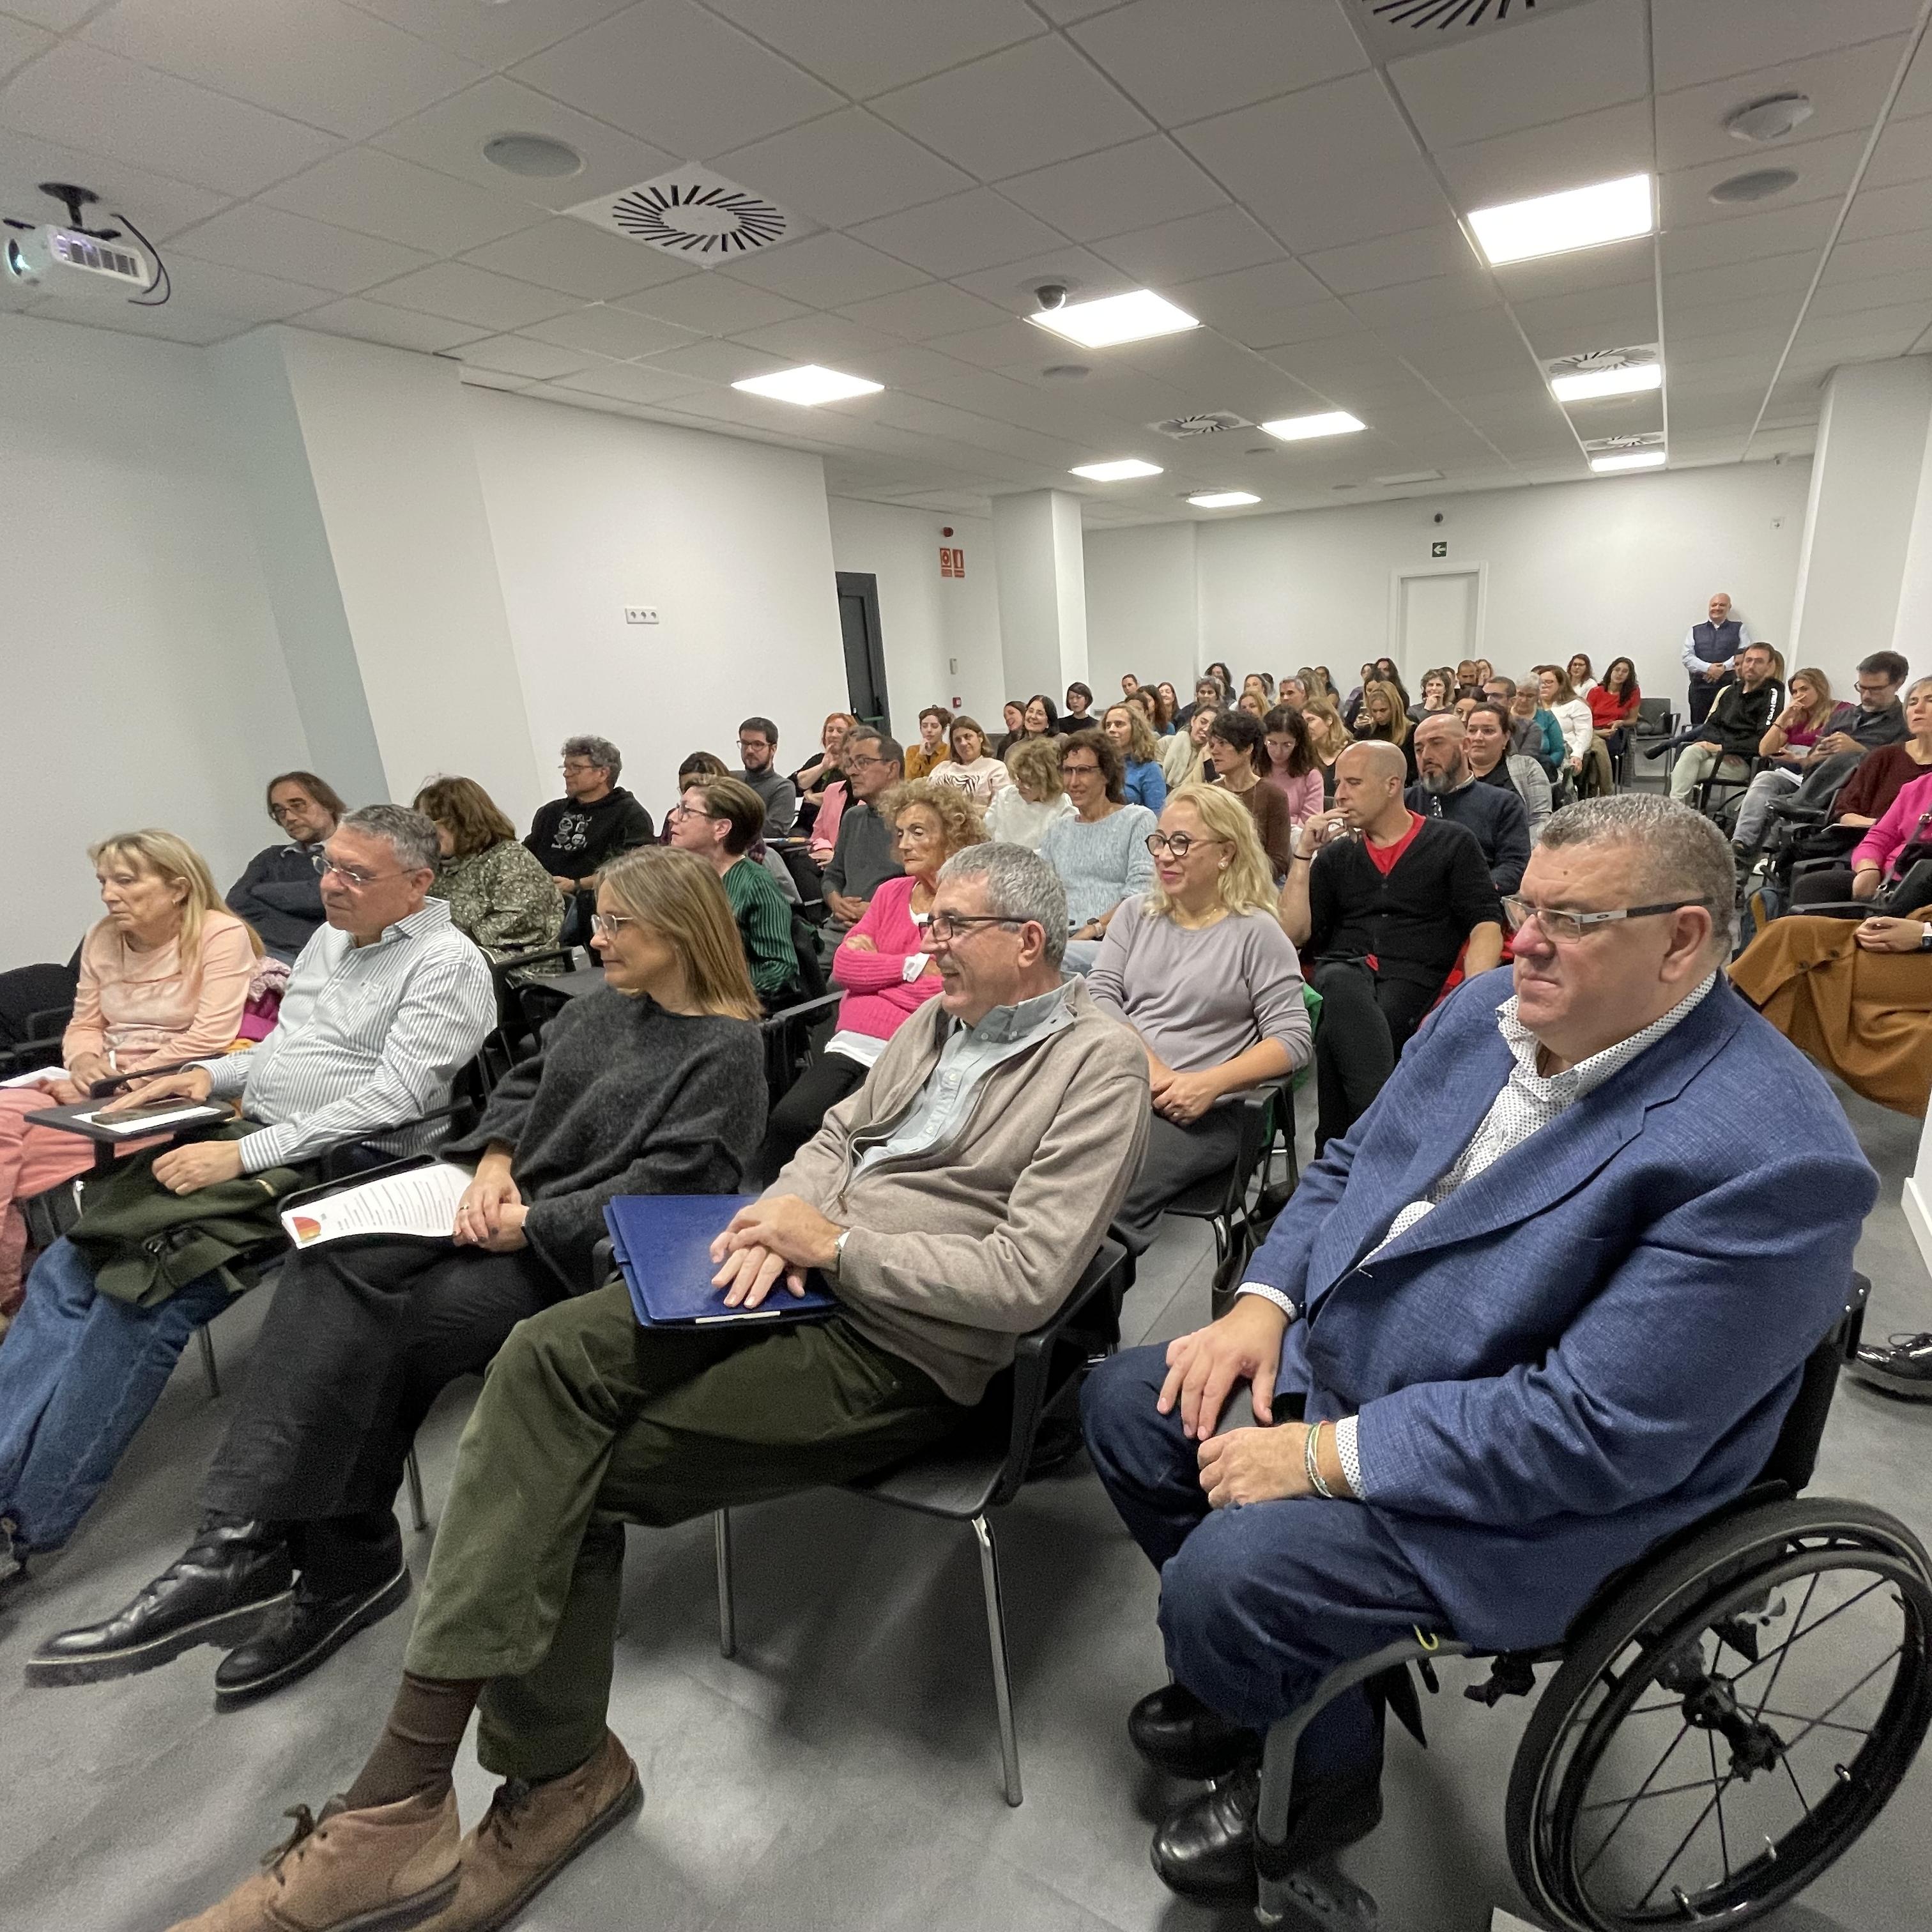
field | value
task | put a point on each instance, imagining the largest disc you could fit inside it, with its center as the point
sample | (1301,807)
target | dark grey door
(865,648)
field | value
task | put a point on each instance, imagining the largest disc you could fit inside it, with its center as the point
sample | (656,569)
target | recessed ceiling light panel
(808,384)
(1554,224)
(1116,471)
(1328,422)
(1628,459)
(1222,499)
(1111,319)
(1632,379)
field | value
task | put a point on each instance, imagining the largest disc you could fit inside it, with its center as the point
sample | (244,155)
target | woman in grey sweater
(1100,853)
(653,1085)
(1203,972)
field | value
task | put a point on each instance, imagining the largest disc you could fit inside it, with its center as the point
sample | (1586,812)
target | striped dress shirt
(368,1038)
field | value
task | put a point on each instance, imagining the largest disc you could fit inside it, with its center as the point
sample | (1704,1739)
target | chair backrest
(1795,1454)
(811,968)
(1653,715)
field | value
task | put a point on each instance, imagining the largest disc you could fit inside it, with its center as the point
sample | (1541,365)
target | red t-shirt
(1384,857)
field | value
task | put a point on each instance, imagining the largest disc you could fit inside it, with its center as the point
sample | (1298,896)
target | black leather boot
(304,1631)
(1901,1366)
(215,1591)
(1178,1734)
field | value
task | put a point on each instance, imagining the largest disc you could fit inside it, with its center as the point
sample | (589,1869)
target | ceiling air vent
(1618,445)
(695,214)
(1601,362)
(1206,422)
(1398,27)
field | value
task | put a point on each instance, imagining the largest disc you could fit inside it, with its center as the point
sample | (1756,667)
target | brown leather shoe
(532,1832)
(381,1870)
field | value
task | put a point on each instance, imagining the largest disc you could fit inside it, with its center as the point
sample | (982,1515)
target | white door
(1437,624)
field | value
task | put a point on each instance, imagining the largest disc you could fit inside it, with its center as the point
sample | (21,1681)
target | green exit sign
(1438,549)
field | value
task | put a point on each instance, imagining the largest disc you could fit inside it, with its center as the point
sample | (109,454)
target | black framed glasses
(1178,843)
(1569,925)
(946,927)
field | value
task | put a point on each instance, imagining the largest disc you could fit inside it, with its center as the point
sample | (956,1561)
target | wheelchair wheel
(1725,1726)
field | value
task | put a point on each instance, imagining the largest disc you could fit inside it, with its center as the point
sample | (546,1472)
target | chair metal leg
(996,1640)
(412,1474)
(208,1367)
(727,1607)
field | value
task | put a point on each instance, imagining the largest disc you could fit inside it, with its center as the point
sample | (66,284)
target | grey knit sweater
(624,1098)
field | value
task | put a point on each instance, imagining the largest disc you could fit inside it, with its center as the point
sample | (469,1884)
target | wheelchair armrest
(1835,909)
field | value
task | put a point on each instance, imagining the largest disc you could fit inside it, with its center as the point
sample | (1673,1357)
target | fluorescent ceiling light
(1222,499)
(1116,472)
(1631,380)
(1115,319)
(808,384)
(1298,429)
(1628,459)
(1553,224)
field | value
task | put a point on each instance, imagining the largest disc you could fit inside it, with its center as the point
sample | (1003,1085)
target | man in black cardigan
(1447,787)
(1383,901)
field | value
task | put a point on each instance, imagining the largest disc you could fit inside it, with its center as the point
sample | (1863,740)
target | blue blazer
(1594,1342)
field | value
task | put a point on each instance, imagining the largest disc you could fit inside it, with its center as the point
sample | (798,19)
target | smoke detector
(1204,422)
(693,213)
(1759,185)
(1770,119)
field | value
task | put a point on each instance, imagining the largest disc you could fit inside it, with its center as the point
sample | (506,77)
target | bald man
(1711,651)
(1382,901)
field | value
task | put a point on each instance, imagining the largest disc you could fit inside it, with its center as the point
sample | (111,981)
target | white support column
(1865,499)
(1042,591)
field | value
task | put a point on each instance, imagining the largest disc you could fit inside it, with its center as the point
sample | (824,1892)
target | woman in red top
(1613,700)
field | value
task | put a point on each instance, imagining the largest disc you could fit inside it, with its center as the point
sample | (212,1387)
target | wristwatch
(839,1253)
(1925,938)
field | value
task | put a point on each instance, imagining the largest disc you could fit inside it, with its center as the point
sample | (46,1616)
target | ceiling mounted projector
(64,261)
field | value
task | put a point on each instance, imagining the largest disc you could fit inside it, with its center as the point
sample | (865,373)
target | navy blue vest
(1715,643)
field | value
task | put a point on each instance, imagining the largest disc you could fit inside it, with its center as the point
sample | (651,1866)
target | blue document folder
(662,1243)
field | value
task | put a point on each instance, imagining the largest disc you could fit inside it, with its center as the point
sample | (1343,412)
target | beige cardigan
(956,1253)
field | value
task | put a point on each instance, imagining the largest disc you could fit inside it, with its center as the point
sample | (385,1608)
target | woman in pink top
(164,978)
(880,963)
(1292,766)
(1907,823)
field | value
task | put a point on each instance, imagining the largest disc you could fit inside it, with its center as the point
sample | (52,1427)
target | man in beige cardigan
(951,1204)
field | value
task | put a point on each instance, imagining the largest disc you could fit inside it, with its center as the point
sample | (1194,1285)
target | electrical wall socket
(640,613)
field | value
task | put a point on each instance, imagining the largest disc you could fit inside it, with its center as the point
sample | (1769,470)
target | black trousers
(1176,1157)
(1704,693)
(1367,1020)
(1825,886)
(800,1114)
(360,1340)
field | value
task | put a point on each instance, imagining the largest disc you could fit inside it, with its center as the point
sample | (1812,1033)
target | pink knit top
(141,1010)
(878,996)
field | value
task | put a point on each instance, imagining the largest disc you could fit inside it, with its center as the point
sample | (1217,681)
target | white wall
(1616,566)
(730,541)
(942,635)
(143,682)
(1143,611)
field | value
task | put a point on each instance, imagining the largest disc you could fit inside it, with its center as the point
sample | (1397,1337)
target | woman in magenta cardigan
(879,964)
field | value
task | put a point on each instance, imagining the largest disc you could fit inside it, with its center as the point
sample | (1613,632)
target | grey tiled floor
(843,1771)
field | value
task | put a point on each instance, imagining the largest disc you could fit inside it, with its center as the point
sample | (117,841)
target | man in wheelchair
(1545,1305)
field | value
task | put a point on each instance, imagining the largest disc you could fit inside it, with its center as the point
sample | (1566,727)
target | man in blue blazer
(1546,1303)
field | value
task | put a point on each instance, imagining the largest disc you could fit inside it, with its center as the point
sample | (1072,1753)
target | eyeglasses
(1079,771)
(682,810)
(606,925)
(946,927)
(576,768)
(864,764)
(1573,925)
(1178,843)
(324,865)
(279,812)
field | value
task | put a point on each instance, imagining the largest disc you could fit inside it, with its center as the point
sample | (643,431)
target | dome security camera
(1050,295)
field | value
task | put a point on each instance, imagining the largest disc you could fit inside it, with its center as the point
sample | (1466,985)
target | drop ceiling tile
(712,305)
(1542,70)
(376,193)
(1411,302)
(1180,69)
(627,383)
(495,35)
(1903,153)
(1215,243)
(398,327)
(1597,319)
(1824,169)
(1903,210)
(488,379)
(1775,231)
(1251,305)
(908,368)
(59,14)
(864,47)
(450,137)
(605,331)
(669,72)
(845,168)
(1604,267)
(81,97)
(162,207)
(1842,295)
(272,242)
(1305,144)
(824,271)
(1600,145)
(1883,255)
(829,340)
(977,230)
(1440,250)
(1023,108)
(1733,286)
(174,322)
(1697,40)
(1761,338)
(209,285)
(574,258)
(1012,286)
(1908,320)
(468,294)
(718,362)
(519,355)
(322,62)
(1846,88)
(1008,345)
(1136,186)
(934,308)
(1684,328)
(20,43)
(1325,321)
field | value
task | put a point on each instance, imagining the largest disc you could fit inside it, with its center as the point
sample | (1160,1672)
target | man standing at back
(1711,651)
(758,746)
(280,894)
(577,834)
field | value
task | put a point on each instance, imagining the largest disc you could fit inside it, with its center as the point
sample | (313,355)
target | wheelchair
(1696,1759)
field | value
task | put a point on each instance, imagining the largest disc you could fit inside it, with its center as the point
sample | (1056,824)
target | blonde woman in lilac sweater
(880,965)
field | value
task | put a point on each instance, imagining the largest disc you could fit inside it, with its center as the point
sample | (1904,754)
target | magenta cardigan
(878,996)
(1905,820)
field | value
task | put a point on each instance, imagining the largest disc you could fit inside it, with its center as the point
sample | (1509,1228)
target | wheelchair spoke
(1717,1799)
(1723,1838)
(1812,1724)
(1683,1732)
(1645,1797)
(1797,1631)
(1795,1785)
(1878,1583)
(1816,1723)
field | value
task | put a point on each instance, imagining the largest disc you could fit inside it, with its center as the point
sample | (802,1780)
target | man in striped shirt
(721,819)
(386,1003)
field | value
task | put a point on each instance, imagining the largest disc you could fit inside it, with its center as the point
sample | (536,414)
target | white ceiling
(1291,171)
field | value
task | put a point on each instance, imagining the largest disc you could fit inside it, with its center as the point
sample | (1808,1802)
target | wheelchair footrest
(1509,1677)
(1318,1898)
